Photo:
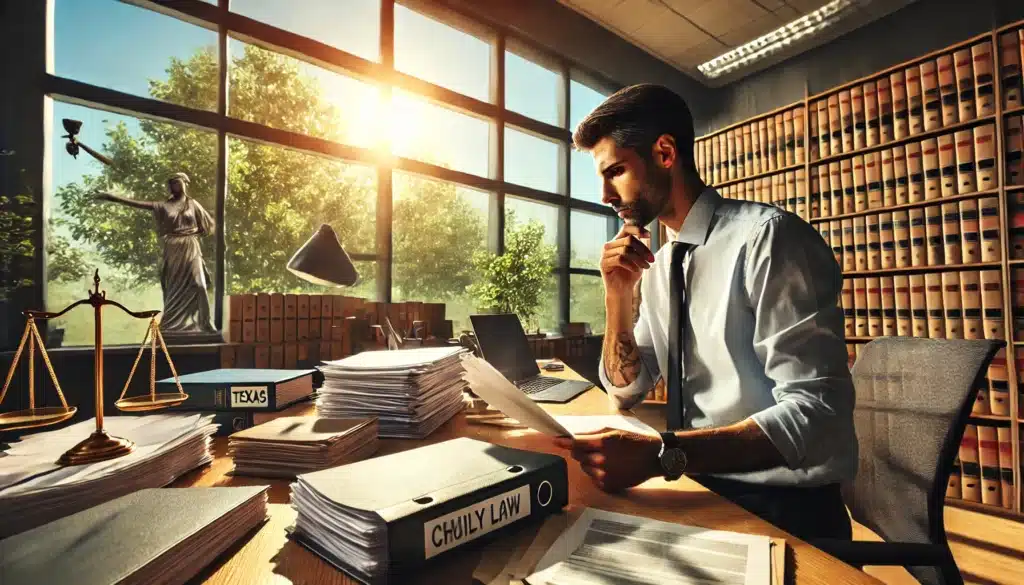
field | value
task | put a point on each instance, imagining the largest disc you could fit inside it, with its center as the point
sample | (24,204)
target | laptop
(504,345)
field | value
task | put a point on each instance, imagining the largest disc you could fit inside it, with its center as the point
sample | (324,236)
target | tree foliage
(515,281)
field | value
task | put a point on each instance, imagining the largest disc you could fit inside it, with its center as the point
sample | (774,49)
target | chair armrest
(864,553)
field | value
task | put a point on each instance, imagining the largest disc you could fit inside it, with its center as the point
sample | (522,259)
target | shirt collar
(697,224)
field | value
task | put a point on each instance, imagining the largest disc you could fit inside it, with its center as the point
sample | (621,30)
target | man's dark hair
(635,116)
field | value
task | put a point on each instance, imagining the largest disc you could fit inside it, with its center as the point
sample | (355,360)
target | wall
(917,29)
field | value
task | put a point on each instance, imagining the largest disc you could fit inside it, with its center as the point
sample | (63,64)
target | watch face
(673,462)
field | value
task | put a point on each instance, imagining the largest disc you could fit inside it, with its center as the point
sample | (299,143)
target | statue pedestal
(191,337)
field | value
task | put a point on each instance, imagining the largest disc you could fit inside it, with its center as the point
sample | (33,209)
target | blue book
(242,389)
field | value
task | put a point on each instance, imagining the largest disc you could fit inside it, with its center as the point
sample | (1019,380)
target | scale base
(98,447)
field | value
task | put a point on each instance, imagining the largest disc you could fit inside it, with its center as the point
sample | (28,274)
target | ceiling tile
(751,30)
(629,15)
(667,33)
(788,13)
(723,16)
(805,6)
(701,53)
(687,7)
(772,5)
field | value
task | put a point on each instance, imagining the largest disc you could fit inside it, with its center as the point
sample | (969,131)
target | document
(489,384)
(607,548)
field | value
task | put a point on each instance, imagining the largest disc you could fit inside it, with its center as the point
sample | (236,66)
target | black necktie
(676,406)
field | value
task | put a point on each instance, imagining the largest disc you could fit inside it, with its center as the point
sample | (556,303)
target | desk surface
(268,557)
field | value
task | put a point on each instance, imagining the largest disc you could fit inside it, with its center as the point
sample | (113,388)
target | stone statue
(184,277)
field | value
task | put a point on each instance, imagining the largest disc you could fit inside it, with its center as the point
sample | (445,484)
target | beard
(653,199)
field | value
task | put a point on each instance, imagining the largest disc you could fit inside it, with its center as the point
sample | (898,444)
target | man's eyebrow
(612,164)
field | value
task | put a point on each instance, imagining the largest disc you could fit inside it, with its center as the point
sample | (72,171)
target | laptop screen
(504,345)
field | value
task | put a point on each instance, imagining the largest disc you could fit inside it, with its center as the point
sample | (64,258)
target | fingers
(596,473)
(563,442)
(629,244)
(633,230)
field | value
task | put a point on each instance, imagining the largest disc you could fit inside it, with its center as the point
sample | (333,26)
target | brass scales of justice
(99,446)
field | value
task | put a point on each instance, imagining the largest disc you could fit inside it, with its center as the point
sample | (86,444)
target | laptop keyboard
(538,384)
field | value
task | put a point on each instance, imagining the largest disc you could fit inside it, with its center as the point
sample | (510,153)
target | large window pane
(438,135)
(134,50)
(584,183)
(277,198)
(532,89)
(288,94)
(438,228)
(586,301)
(531,161)
(582,99)
(120,241)
(589,233)
(442,54)
(531,234)
(352,25)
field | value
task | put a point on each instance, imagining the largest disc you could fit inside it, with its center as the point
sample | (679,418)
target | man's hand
(624,261)
(615,459)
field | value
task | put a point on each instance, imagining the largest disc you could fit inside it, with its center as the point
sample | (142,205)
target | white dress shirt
(764,337)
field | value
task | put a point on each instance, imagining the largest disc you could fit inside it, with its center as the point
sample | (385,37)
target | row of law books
(992,397)
(945,166)
(284,318)
(949,89)
(784,190)
(1017,286)
(983,472)
(763,146)
(1011,55)
(959,232)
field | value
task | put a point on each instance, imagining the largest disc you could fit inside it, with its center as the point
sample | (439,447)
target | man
(739,314)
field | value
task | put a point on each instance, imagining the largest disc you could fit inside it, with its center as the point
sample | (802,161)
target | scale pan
(150,402)
(31,418)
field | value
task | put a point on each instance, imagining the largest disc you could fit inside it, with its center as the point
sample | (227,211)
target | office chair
(913,399)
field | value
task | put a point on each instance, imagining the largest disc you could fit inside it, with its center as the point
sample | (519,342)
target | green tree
(276,197)
(515,282)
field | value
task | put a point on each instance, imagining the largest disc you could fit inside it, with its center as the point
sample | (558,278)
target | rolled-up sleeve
(794,283)
(631,394)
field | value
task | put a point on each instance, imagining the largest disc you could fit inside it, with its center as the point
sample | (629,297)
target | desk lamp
(322,260)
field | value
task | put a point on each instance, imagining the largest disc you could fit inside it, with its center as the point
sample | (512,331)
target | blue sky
(115,45)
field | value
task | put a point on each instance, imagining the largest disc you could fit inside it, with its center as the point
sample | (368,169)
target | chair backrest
(913,399)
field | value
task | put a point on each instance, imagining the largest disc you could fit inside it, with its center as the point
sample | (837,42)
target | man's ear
(665,152)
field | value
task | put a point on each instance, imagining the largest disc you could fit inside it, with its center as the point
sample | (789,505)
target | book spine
(860,243)
(873,176)
(948,90)
(860,304)
(930,164)
(900,111)
(755,146)
(953,487)
(799,132)
(930,90)
(290,314)
(951,233)
(874,239)
(871,114)
(1014,150)
(889,328)
(835,125)
(835,182)
(249,318)
(970,470)
(277,318)
(824,135)
(1005,455)
(904,319)
(849,190)
(965,84)
(899,171)
(988,458)
(747,152)
(915,172)
(849,307)
(933,302)
(857,116)
(315,307)
(836,240)
(235,318)
(951,302)
(815,194)
(790,137)
(888,241)
(915,103)
(1017,282)
(764,138)
(970,297)
(1017,224)
(901,232)
(1009,71)
(988,208)
(846,120)
(302,318)
(918,249)
(888,179)
(965,178)
(947,165)
(984,84)
(885,110)
(980,405)
(918,308)
(228,397)
(262,318)
(874,302)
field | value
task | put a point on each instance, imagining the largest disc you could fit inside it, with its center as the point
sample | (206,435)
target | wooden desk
(268,557)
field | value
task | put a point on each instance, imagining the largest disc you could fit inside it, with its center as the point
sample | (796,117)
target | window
(437,229)
(277,198)
(288,94)
(585,183)
(586,301)
(518,214)
(582,100)
(531,161)
(589,233)
(98,42)
(441,54)
(352,26)
(121,241)
(438,135)
(532,89)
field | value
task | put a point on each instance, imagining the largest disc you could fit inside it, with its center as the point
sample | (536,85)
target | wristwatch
(672,457)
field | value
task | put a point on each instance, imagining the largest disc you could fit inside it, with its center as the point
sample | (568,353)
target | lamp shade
(322,260)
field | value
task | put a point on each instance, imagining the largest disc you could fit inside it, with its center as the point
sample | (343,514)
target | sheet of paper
(607,548)
(585,424)
(489,384)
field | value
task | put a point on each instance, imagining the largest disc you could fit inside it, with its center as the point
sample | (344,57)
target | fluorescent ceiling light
(777,39)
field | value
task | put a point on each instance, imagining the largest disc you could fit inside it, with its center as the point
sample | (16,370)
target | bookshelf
(932,146)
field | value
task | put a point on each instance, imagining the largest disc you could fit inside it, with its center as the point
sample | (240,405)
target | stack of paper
(288,446)
(411,391)
(35,490)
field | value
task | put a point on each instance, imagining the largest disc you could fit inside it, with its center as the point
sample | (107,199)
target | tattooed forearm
(622,358)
